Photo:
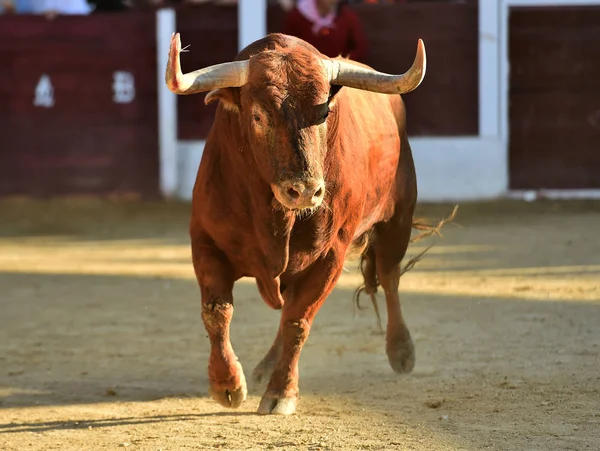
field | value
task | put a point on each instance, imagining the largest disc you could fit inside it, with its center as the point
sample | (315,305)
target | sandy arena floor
(102,345)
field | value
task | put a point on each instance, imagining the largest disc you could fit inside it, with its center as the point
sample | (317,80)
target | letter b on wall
(123,87)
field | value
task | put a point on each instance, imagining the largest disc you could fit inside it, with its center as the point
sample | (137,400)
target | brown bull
(307,159)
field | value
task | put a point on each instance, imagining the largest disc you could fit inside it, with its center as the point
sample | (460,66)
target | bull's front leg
(306,297)
(215,277)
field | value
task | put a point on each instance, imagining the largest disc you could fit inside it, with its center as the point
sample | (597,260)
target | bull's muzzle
(300,194)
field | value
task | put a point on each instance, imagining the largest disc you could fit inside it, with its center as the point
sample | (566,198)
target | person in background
(48,8)
(329,25)
(6,6)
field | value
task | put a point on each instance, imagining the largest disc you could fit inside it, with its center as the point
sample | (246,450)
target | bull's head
(282,98)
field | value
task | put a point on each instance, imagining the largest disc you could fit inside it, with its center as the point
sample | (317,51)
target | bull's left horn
(225,75)
(345,73)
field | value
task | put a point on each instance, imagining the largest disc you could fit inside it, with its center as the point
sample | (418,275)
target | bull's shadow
(82,340)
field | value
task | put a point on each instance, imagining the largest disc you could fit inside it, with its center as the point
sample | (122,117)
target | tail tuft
(367,264)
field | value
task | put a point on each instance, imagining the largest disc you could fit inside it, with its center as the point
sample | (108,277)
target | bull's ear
(229,97)
(333,91)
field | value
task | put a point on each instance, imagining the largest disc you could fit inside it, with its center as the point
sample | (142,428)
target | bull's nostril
(293,193)
(319,192)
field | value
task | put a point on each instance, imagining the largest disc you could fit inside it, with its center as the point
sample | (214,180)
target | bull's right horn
(225,75)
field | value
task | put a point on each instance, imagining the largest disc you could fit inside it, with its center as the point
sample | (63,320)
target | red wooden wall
(211,33)
(446,103)
(554,99)
(85,143)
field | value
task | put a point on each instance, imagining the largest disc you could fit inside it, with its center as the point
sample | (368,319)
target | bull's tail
(429,229)
(367,263)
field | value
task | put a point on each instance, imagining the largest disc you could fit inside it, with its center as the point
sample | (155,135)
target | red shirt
(346,38)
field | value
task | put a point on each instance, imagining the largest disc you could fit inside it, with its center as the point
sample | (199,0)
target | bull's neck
(271,224)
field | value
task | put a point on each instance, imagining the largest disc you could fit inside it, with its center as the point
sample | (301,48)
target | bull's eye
(256,118)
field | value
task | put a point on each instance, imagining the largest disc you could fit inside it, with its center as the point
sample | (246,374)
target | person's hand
(50,14)
(286,5)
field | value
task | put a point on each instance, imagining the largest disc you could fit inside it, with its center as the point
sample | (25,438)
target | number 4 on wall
(44,92)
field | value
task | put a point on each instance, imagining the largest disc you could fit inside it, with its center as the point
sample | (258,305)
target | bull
(307,160)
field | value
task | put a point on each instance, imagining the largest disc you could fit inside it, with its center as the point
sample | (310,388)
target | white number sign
(123,87)
(44,93)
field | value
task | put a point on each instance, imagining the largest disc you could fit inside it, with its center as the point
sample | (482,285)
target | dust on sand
(102,344)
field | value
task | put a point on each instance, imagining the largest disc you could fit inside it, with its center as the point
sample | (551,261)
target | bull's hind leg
(390,247)
(227,381)
(266,366)
(398,342)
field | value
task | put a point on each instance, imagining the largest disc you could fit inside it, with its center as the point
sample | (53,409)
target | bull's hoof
(231,394)
(401,354)
(274,405)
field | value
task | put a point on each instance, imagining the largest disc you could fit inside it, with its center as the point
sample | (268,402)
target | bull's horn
(225,75)
(345,73)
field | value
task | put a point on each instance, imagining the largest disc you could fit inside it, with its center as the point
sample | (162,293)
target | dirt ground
(102,345)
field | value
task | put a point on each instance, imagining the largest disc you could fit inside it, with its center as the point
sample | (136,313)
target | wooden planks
(211,32)
(554,100)
(85,142)
(446,104)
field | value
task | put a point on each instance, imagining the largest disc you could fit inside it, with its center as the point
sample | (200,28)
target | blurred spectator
(48,8)
(6,6)
(330,25)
